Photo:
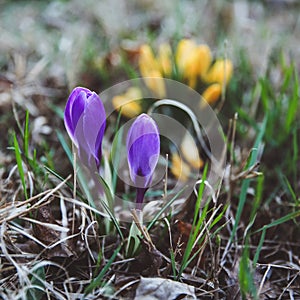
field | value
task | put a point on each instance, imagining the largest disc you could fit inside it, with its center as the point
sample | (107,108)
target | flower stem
(140,193)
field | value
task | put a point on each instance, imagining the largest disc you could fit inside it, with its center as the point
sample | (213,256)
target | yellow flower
(220,72)
(190,152)
(130,108)
(151,71)
(184,49)
(192,60)
(165,59)
(205,59)
(156,84)
(147,61)
(212,94)
(180,169)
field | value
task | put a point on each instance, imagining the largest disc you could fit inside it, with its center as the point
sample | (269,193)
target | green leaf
(37,291)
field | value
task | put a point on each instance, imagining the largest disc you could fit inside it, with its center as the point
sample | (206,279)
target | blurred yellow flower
(212,94)
(147,62)
(151,70)
(192,60)
(220,72)
(130,108)
(180,169)
(190,152)
(165,59)
(156,84)
(205,59)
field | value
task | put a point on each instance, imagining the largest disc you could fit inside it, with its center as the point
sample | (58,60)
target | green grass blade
(293,104)
(115,156)
(195,226)
(109,207)
(245,275)
(20,165)
(281,220)
(258,196)
(277,222)
(69,184)
(288,72)
(246,182)
(96,282)
(199,196)
(65,145)
(26,135)
(259,246)
(173,263)
(165,207)
(295,155)
(289,188)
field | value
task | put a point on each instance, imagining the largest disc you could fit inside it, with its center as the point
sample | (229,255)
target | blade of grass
(96,282)
(69,184)
(80,175)
(26,134)
(195,226)
(65,145)
(295,155)
(165,207)
(245,275)
(277,222)
(246,182)
(293,103)
(115,157)
(288,72)
(109,207)
(20,164)
(258,196)
(259,246)
(173,263)
(288,187)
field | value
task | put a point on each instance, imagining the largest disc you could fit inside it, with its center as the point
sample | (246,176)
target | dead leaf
(48,235)
(161,289)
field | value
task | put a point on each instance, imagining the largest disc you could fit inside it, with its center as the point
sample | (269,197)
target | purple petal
(94,122)
(84,119)
(143,147)
(74,109)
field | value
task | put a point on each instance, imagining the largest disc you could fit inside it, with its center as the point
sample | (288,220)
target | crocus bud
(85,122)
(143,148)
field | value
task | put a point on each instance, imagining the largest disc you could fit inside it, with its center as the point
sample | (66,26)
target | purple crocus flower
(85,121)
(143,148)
